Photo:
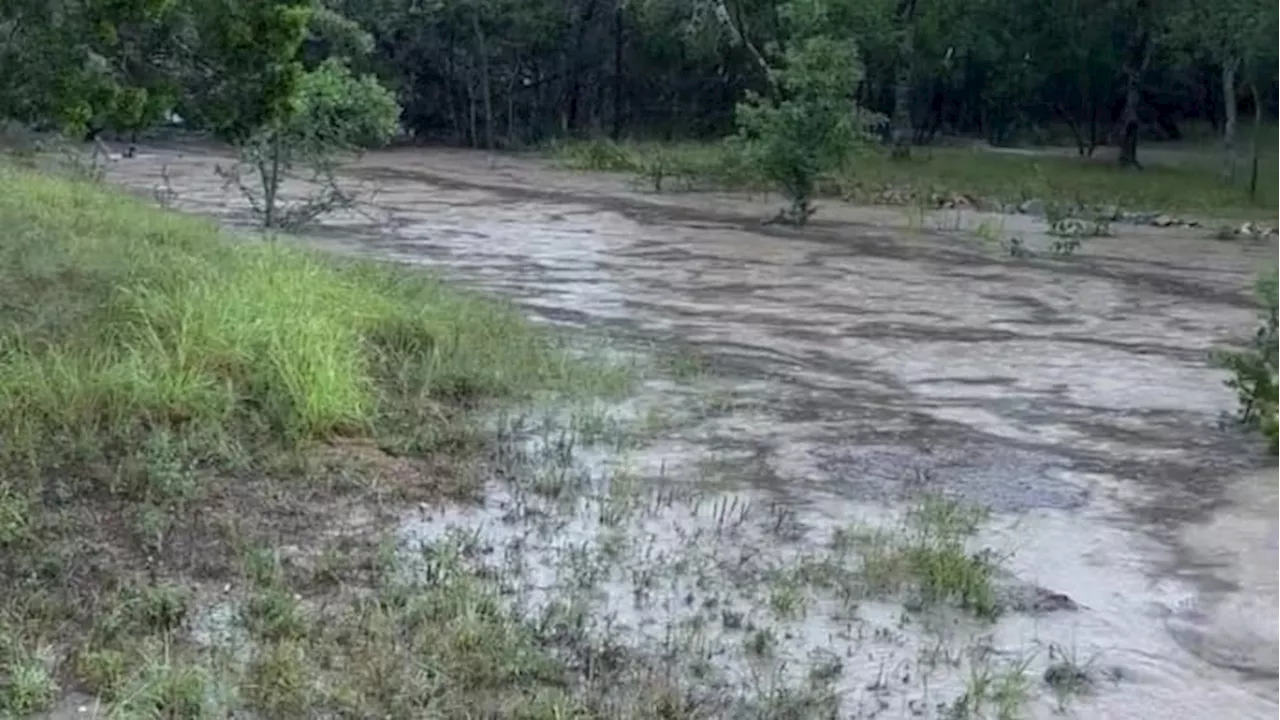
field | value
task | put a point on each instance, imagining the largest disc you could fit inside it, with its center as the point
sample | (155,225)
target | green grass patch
(927,560)
(1190,184)
(119,319)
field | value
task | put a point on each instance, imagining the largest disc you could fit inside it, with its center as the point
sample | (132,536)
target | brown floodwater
(875,351)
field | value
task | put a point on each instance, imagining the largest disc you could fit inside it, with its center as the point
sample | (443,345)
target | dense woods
(508,73)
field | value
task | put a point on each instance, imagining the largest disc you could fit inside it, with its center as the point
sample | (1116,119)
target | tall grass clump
(118,319)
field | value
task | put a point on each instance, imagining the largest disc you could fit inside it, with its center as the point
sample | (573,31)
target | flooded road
(842,367)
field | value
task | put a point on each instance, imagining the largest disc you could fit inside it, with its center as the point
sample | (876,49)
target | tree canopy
(513,73)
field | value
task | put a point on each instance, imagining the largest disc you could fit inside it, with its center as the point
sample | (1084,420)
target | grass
(936,176)
(171,398)
(928,561)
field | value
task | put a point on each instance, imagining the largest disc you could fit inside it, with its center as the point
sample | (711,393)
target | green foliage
(246,70)
(1253,368)
(228,65)
(335,109)
(811,128)
(88,64)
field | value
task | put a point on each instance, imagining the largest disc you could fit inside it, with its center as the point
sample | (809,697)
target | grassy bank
(175,406)
(1187,183)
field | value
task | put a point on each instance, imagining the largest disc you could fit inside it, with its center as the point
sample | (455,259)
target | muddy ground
(834,370)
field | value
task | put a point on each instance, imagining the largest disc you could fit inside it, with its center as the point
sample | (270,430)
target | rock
(987,205)
(1067,676)
(1034,206)
(1014,595)
(1109,213)
(1163,221)
(1049,601)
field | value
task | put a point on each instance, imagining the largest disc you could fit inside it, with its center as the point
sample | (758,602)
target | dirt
(872,353)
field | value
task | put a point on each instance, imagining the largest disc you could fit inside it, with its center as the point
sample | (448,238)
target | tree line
(510,73)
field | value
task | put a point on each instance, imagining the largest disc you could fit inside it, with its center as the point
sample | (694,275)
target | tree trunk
(486,89)
(1136,62)
(511,106)
(738,33)
(1257,145)
(575,66)
(616,131)
(471,106)
(1229,102)
(900,125)
(1093,123)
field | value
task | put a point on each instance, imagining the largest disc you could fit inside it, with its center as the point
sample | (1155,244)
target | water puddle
(841,374)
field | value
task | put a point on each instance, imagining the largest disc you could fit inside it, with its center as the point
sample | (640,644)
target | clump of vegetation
(997,690)
(1253,368)
(1069,676)
(929,559)
(597,155)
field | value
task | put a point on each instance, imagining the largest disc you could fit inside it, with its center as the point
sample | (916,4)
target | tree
(810,126)
(333,112)
(88,65)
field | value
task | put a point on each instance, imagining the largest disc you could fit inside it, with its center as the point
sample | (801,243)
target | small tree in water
(809,125)
(333,113)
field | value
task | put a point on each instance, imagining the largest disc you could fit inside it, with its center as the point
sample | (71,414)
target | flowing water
(851,363)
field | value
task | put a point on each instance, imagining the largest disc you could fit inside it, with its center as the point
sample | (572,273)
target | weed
(275,614)
(280,680)
(27,683)
(1068,676)
(1000,692)
(15,515)
(928,558)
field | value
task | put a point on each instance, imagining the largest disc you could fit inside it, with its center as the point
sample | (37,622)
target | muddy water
(863,358)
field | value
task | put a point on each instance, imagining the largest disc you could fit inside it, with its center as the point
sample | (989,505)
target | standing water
(836,375)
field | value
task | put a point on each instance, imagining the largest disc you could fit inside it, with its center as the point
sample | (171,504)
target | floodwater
(853,362)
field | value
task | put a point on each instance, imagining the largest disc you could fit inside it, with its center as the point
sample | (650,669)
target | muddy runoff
(829,402)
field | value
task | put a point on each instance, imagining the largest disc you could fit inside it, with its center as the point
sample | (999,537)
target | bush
(1253,367)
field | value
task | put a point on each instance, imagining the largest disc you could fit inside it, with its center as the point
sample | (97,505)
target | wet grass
(926,562)
(937,175)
